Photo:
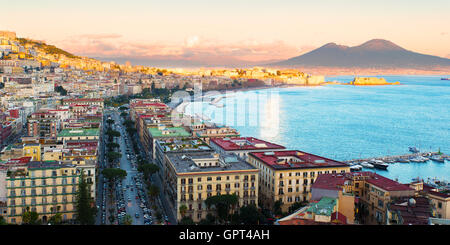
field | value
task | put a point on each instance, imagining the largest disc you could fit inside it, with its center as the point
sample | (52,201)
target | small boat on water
(366,165)
(380,165)
(402,160)
(413,149)
(445,78)
(355,167)
(389,161)
(419,159)
(437,158)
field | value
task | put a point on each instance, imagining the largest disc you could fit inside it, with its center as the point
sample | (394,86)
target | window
(305,174)
(209,179)
(218,178)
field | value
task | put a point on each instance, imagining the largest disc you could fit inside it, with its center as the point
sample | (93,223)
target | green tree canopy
(183,210)
(153,191)
(85,212)
(148,169)
(222,204)
(250,215)
(30,217)
(112,145)
(113,156)
(186,221)
(113,174)
(127,220)
(55,219)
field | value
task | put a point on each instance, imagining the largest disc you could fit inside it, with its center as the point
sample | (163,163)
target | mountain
(376,53)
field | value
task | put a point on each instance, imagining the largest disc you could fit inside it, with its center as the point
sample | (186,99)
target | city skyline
(226,32)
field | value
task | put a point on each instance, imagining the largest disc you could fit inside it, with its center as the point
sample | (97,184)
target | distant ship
(445,78)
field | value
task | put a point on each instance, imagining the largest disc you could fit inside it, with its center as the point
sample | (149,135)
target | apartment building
(242,146)
(44,187)
(287,176)
(190,178)
(43,124)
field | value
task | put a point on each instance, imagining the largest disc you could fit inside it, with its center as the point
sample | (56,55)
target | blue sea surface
(348,122)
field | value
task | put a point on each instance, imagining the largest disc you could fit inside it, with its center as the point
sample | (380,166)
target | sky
(232,31)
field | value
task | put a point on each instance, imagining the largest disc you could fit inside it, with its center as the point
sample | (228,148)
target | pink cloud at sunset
(194,48)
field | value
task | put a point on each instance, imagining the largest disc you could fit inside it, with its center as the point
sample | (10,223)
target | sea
(344,122)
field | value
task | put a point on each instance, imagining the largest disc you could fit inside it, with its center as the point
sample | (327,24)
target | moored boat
(366,165)
(419,159)
(402,160)
(380,164)
(437,158)
(356,167)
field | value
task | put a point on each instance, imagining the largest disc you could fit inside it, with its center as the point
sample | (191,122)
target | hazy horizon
(226,32)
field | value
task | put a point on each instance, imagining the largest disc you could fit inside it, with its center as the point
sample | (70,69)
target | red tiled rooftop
(230,144)
(83,99)
(387,184)
(329,181)
(439,194)
(299,159)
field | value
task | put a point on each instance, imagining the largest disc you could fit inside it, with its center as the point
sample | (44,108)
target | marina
(383,162)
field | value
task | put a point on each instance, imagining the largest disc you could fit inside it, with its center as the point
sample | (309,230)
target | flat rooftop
(281,160)
(79,132)
(183,163)
(179,145)
(168,132)
(244,143)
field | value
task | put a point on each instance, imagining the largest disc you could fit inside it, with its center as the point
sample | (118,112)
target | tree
(250,215)
(153,86)
(113,156)
(113,174)
(61,90)
(2,221)
(183,210)
(222,204)
(112,133)
(55,219)
(148,169)
(124,114)
(112,145)
(210,220)
(85,212)
(122,108)
(277,207)
(153,191)
(110,121)
(186,221)
(127,220)
(30,217)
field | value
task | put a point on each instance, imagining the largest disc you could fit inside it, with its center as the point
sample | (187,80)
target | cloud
(99,36)
(194,48)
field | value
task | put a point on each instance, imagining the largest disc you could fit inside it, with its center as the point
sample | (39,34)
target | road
(132,205)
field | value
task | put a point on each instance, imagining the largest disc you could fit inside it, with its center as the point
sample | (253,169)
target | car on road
(136,215)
